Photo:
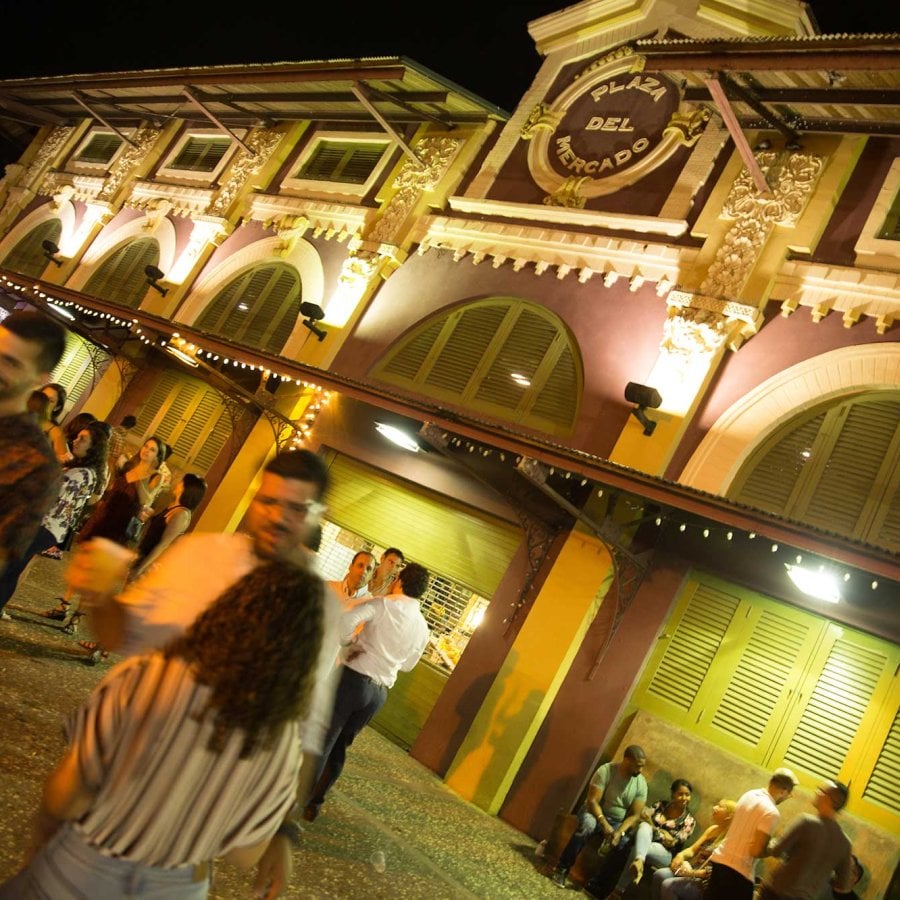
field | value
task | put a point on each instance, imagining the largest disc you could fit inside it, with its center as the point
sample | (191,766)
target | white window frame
(870,249)
(309,185)
(76,165)
(166,170)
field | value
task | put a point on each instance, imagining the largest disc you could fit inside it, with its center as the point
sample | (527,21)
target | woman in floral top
(663,830)
(80,475)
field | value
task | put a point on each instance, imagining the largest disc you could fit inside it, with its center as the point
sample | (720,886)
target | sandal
(52,553)
(59,612)
(95,652)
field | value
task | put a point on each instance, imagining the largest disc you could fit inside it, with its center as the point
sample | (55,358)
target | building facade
(642,331)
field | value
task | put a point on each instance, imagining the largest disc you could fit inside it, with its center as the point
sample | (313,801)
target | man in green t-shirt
(615,799)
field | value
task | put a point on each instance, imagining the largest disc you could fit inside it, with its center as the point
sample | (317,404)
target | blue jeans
(587,825)
(668,886)
(66,868)
(643,847)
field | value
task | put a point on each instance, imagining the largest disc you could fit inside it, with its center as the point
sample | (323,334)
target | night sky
(482,45)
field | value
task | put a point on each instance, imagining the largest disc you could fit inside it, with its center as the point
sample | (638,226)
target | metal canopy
(846,84)
(401,92)
(578,464)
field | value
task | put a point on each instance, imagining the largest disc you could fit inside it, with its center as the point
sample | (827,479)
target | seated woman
(662,832)
(689,872)
(185,754)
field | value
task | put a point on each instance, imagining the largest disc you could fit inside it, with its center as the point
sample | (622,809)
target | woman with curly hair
(81,474)
(185,754)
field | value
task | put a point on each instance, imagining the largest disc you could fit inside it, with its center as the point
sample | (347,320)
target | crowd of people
(814,856)
(243,681)
(245,678)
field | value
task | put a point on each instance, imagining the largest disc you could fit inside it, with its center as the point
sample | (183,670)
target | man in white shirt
(194,572)
(755,818)
(393,637)
(353,585)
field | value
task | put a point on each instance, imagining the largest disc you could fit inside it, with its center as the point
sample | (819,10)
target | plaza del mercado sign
(608,129)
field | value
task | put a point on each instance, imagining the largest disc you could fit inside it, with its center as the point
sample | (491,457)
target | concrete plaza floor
(435,845)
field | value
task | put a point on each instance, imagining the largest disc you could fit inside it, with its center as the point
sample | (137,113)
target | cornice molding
(566,251)
(331,219)
(183,200)
(853,293)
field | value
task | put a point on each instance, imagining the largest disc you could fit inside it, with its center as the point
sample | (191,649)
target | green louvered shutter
(27,256)
(838,699)
(100,149)
(258,308)
(771,482)
(503,357)
(188,415)
(859,459)
(838,470)
(759,678)
(121,278)
(407,362)
(201,154)
(465,349)
(75,371)
(883,787)
(679,667)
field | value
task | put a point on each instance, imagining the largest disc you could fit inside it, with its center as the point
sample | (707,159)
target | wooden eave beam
(811,96)
(737,134)
(739,92)
(359,91)
(754,60)
(32,115)
(95,115)
(191,96)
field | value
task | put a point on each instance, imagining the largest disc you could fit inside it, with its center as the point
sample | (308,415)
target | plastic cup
(379,863)
(99,567)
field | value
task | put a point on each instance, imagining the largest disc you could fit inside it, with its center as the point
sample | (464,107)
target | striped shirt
(162,797)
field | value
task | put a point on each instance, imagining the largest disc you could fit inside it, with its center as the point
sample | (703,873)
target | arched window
(836,467)
(27,257)
(121,278)
(259,308)
(505,357)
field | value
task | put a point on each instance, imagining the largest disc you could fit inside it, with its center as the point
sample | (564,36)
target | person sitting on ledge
(614,803)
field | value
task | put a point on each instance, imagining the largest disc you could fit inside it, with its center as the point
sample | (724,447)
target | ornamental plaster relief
(435,155)
(47,153)
(245,166)
(792,178)
(132,157)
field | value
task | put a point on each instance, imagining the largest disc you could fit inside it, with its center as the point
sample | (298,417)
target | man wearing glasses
(194,572)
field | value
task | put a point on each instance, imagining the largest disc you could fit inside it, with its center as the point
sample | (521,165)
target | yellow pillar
(106,393)
(531,675)
(234,492)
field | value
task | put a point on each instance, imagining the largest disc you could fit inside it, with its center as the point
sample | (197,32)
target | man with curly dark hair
(393,637)
(196,570)
(184,754)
